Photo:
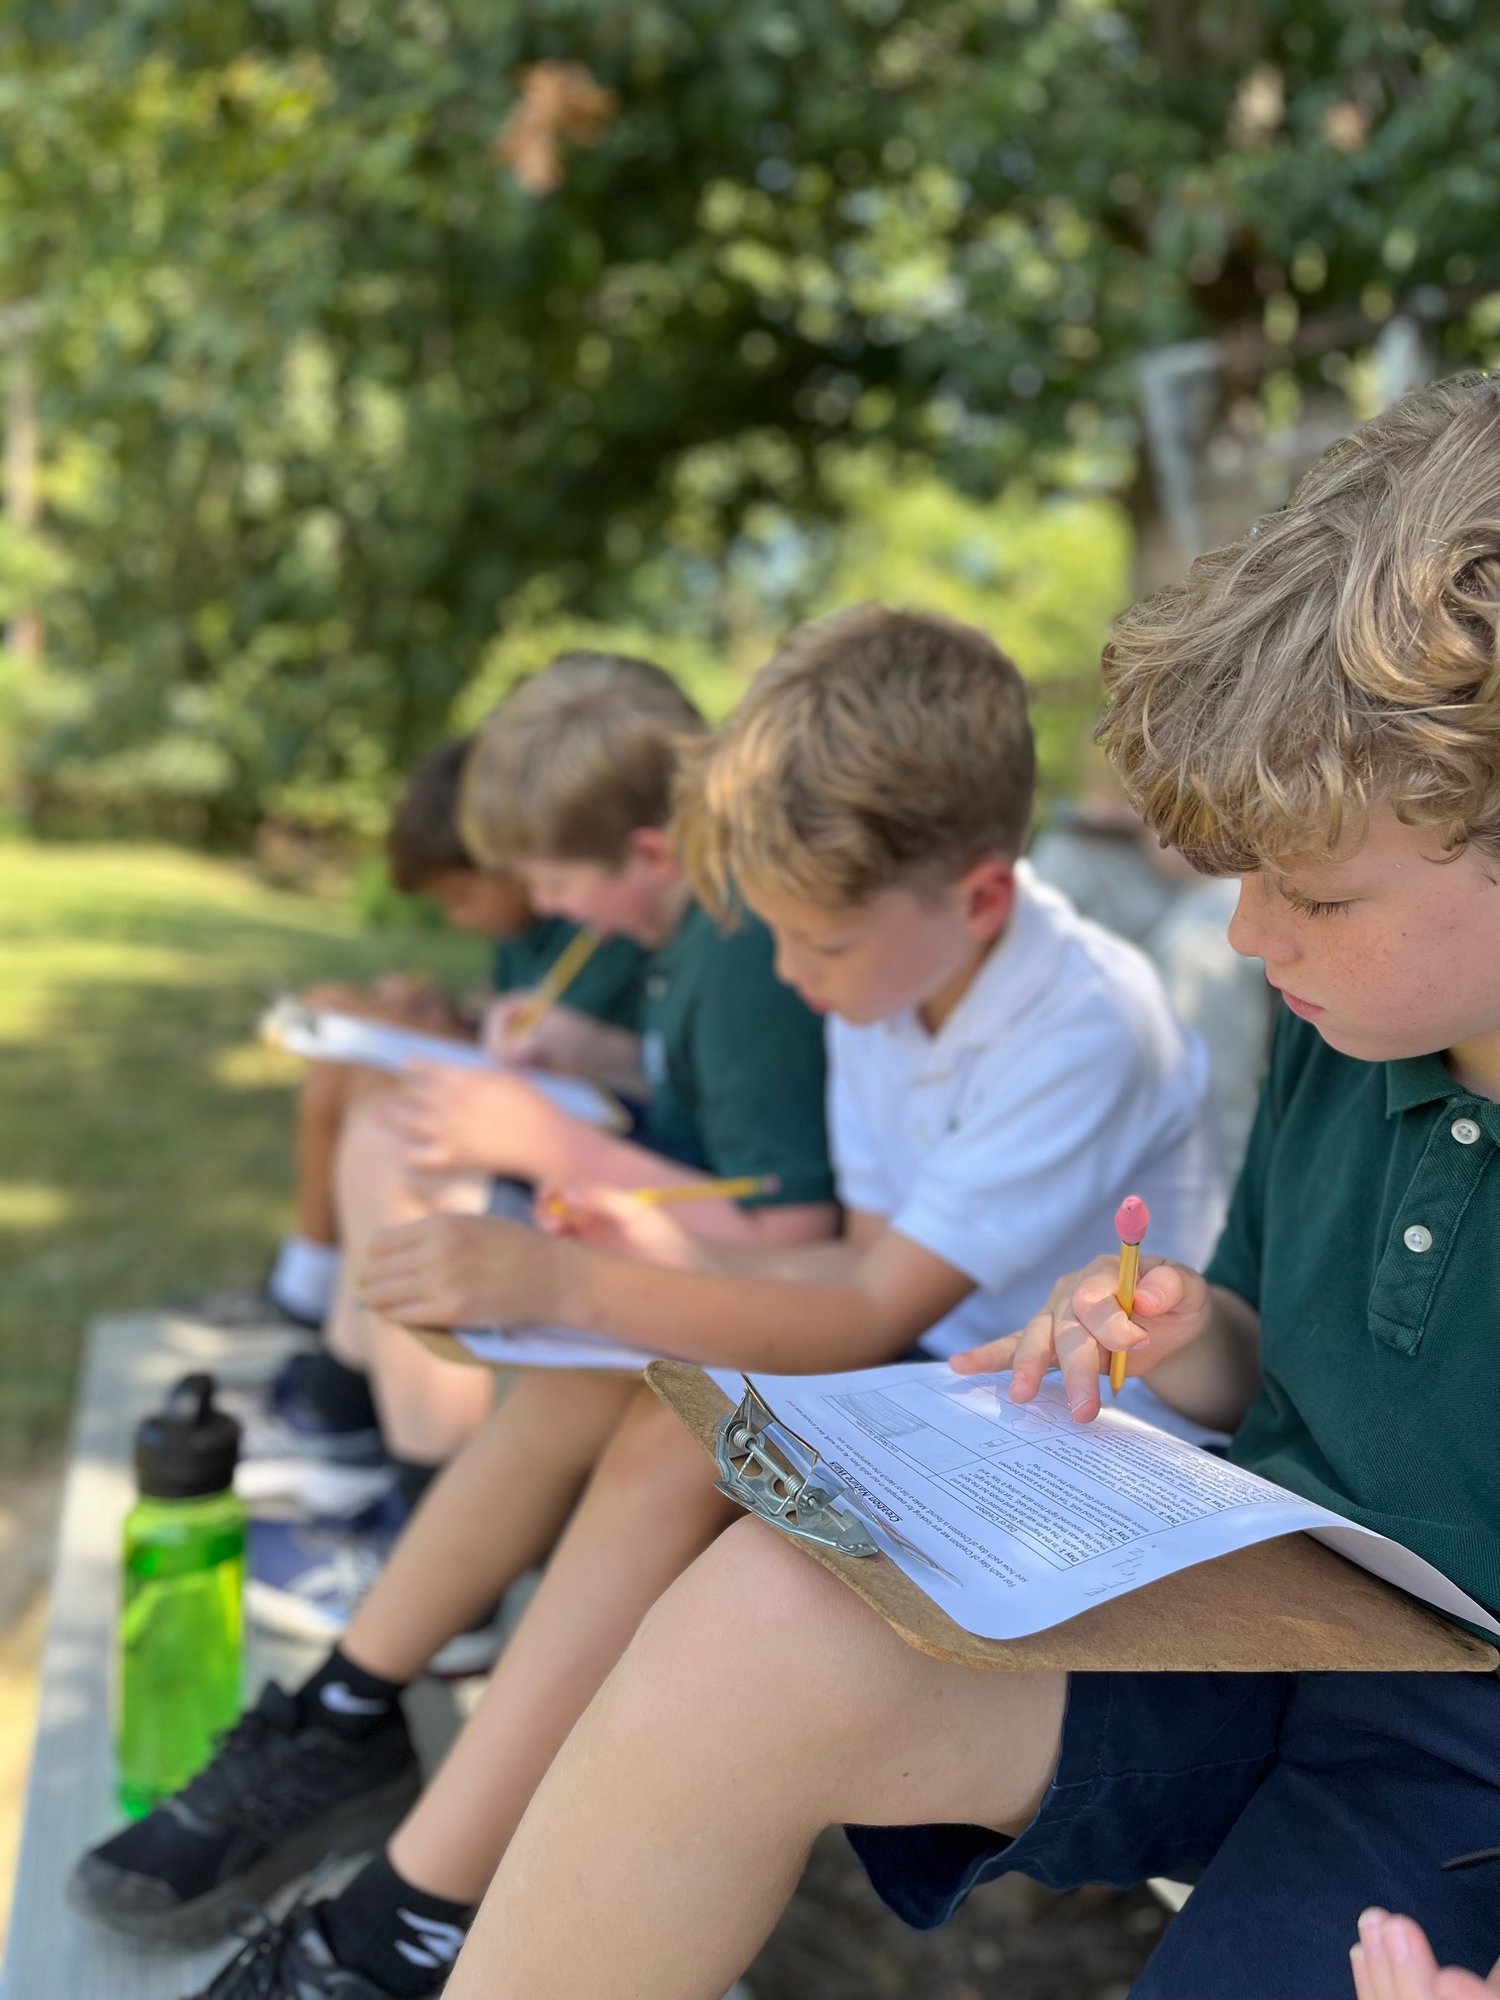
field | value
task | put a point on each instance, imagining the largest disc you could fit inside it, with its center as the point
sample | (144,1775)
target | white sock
(304,1277)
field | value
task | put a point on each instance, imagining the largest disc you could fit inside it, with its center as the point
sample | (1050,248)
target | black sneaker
(277,1796)
(287,1958)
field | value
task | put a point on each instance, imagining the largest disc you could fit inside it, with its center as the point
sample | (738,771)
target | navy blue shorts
(1292,1800)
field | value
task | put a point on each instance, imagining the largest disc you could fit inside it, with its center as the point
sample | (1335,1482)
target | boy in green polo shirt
(1317,710)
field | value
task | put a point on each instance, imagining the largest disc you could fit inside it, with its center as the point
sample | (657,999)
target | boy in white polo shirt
(1002,1072)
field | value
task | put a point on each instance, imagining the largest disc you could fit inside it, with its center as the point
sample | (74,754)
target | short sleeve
(1236,1262)
(759,1073)
(1044,1145)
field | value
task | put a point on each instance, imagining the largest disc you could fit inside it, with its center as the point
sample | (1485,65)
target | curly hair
(1344,653)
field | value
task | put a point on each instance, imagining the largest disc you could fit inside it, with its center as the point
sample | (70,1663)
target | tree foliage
(335,390)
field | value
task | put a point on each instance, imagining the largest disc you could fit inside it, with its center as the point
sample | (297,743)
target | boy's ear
(988,893)
(652,845)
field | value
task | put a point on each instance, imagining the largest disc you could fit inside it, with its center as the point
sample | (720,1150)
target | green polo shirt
(1365,1229)
(608,986)
(734,1060)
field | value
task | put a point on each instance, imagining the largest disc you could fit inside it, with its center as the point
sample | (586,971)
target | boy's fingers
(991,1359)
(1104,1322)
(1078,1358)
(1413,1969)
(1162,1287)
(1034,1354)
(1380,1971)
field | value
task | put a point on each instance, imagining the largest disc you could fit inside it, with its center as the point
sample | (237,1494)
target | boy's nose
(1256,930)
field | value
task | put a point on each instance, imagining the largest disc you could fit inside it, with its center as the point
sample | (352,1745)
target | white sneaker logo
(341,1698)
(441,1943)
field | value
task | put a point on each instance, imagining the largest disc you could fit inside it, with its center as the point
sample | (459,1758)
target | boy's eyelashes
(1305,907)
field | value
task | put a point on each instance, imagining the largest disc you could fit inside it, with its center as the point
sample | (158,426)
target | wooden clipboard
(1285,1606)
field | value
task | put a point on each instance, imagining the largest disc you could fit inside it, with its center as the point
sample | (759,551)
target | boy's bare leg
(323,1100)
(428,1406)
(488,1517)
(761,1702)
(649,1509)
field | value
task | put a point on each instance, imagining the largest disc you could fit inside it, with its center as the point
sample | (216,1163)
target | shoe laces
(347,1573)
(268,1955)
(265,1774)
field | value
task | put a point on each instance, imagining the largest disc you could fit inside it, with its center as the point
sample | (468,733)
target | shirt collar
(1008,981)
(1412,1081)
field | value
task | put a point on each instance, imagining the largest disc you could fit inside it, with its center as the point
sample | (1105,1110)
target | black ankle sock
(345,1697)
(413,1480)
(341,1396)
(398,1936)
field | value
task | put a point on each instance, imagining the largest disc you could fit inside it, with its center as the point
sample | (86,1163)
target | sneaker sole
(279,1612)
(292,1489)
(466,1657)
(353,1828)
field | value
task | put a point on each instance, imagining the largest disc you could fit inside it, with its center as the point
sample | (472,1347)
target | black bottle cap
(189,1449)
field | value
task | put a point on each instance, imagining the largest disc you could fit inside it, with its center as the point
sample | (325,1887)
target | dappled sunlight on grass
(147,1131)
(32,1205)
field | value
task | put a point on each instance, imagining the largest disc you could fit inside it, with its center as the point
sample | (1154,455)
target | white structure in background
(1211,480)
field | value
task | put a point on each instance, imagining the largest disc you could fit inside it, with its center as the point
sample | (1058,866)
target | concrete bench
(52,1954)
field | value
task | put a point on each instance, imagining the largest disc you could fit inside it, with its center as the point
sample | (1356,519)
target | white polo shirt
(1005,1142)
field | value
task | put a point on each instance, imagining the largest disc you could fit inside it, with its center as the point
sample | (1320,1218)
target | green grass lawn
(144,1132)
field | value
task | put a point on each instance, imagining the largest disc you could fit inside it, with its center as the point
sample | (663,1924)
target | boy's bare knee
(752,1611)
(651,1451)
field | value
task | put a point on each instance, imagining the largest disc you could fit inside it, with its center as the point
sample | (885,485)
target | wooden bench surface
(52,1954)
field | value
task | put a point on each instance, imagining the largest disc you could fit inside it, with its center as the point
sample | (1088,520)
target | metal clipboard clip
(770,1472)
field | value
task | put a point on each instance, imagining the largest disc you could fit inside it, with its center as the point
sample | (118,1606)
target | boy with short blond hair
(1318,709)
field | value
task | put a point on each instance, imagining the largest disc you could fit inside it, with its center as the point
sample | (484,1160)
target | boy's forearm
(1215,1379)
(614,1060)
(782,1325)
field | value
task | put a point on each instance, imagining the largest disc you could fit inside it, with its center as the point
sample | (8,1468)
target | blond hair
(575,760)
(878,748)
(1344,653)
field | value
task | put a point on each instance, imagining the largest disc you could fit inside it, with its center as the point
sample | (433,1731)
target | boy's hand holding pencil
(640,1222)
(1083,1327)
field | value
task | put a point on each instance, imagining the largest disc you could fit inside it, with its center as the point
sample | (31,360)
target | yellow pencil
(1132,1219)
(741,1188)
(560,975)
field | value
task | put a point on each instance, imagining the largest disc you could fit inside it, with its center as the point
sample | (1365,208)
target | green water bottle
(181,1616)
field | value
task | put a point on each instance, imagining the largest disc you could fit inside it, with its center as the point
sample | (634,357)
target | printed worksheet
(1014,1518)
(322,1034)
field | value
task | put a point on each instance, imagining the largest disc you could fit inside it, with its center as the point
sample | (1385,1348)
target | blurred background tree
(382,346)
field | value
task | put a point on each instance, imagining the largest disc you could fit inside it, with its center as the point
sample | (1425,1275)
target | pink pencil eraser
(1132,1219)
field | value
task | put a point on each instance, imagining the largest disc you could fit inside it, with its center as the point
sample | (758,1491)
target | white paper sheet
(1028,1518)
(552,1347)
(324,1035)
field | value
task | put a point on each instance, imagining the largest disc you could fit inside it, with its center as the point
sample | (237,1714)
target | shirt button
(1418,1238)
(1464,1130)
